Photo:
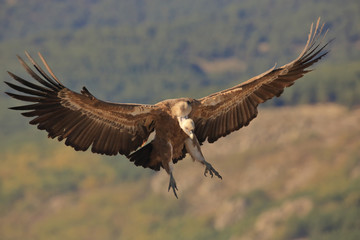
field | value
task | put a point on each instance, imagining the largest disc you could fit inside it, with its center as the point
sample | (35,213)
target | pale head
(188,126)
(181,109)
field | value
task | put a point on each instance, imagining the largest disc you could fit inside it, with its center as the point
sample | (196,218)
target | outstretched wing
(81,119)
(226,111)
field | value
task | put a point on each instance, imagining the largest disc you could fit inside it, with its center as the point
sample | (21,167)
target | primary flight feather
(180,125)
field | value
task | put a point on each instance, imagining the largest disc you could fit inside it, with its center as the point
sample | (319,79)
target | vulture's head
(188,127)
(181,109)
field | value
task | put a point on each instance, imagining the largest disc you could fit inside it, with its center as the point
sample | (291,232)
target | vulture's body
(180,125)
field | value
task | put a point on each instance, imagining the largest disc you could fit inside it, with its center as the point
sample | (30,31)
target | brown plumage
(181,125)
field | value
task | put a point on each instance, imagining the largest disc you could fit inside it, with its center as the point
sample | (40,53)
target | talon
(211,170)
(172,184)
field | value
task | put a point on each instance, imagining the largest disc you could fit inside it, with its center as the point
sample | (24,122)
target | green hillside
(145,51)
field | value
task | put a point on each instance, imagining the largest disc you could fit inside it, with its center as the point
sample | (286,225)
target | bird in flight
(180,125)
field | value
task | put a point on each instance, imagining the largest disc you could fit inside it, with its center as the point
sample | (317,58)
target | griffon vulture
(180,125)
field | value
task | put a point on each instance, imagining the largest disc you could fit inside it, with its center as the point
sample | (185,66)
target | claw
(172,184)
(209,169)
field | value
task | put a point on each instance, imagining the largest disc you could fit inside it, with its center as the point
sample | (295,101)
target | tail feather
(142,157)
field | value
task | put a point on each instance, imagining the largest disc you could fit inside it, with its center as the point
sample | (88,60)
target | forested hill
(145,51)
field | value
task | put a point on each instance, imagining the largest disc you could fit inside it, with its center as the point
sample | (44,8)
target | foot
(211,170)
(172,184)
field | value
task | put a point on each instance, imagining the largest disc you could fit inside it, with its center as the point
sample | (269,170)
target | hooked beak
(191,135)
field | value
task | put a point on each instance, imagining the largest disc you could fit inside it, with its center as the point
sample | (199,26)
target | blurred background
(293,173)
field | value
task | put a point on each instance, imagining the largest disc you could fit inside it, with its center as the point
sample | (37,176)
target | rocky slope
(293,173)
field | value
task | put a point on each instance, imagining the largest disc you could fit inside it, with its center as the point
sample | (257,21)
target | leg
(172,182)
(167,160)
(193,148)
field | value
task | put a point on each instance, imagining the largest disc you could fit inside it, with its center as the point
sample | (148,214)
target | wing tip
(87,93)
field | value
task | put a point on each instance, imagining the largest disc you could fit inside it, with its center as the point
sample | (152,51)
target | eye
(188,102)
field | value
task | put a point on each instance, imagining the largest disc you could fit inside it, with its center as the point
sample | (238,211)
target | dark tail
(142,157)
